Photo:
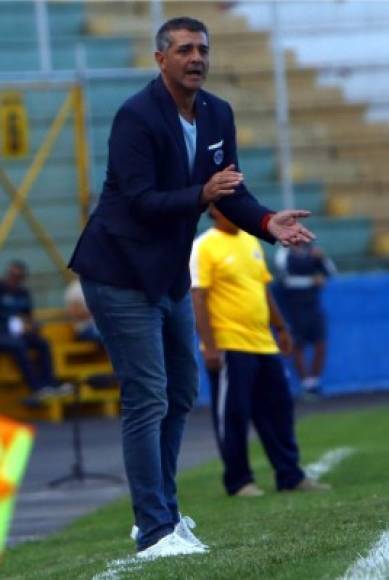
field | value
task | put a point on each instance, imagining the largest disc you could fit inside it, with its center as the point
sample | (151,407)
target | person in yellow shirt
(235,314)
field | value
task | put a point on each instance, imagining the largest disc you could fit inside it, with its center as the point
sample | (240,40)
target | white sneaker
(183,529)
(311,384)
(134,533)
(66,389)
(45,393)
(250,490)
(170,545)
(50,392)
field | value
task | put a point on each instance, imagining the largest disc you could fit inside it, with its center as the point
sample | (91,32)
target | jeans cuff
(151,539)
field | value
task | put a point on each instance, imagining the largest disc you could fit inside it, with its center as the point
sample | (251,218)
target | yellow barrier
(13,125)
(73,103)
(35,169)
(16,442)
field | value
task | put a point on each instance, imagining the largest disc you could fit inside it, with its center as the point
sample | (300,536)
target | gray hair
(163,40)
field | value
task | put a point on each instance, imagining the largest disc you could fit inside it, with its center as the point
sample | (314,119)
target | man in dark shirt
(19,334)
(303,272)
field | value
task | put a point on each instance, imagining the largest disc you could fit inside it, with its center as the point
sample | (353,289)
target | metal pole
(82,133)
(86,158)
(282,112)
(156,17)
(43,33)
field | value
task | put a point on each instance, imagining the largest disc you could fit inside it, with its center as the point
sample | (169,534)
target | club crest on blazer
(218,156)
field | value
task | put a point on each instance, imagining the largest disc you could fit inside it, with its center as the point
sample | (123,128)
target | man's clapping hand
(221,184)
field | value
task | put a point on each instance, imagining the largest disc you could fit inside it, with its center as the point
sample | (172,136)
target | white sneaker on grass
(183,529)
(170,545)
(249,490)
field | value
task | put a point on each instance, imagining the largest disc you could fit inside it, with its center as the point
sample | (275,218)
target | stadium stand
(81,362)
(339,168)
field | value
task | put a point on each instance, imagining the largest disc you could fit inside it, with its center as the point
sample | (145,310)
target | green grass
(278,537)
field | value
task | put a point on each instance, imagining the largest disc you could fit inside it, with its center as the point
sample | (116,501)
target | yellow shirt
(232,268)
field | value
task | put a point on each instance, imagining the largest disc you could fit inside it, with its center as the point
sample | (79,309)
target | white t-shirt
(190,136)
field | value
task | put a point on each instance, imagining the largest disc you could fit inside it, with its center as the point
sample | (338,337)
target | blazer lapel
(203,124)
(170,113)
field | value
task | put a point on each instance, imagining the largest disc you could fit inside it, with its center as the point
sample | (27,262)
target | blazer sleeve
(132,160)
(242,208)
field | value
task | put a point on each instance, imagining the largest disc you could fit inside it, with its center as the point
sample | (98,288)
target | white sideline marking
(374,566)
(116,568)
(313,470)
(327,462)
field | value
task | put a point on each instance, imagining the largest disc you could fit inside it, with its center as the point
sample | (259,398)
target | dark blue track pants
(253,388)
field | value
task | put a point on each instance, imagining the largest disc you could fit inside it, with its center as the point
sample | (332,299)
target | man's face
(185,63)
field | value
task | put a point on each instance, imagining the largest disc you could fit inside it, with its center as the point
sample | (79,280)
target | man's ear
(159,58)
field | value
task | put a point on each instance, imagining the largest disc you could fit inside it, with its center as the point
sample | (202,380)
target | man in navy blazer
(172,151)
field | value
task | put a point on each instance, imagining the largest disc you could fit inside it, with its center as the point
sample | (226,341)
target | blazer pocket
(130,230)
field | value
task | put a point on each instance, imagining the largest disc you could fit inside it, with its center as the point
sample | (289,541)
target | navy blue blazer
(140,234)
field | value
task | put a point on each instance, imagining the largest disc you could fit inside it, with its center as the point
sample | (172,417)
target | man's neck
(227,230)
(187,113)
(184,100)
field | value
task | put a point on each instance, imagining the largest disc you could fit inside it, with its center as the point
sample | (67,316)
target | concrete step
(65,18)
(99,53)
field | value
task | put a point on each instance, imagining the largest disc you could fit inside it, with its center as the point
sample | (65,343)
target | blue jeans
(152,349)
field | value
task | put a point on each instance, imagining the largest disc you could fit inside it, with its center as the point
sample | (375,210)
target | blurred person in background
(19,335)
(172,151)
(78,312)
(235,314)
(302,272)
